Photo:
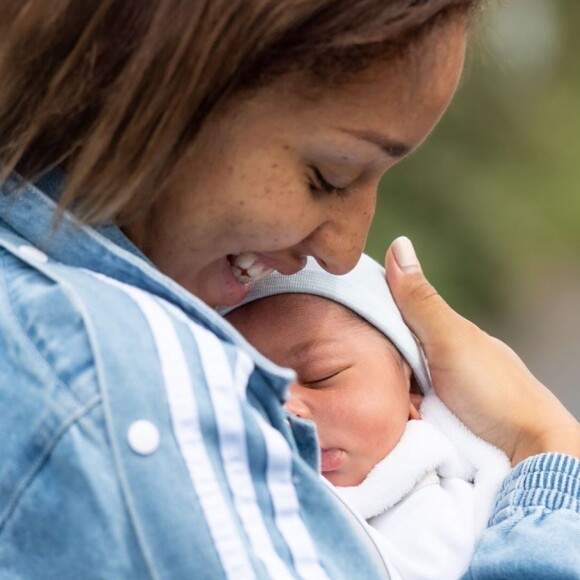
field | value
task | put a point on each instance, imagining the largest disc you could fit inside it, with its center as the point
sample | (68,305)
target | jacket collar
(30,210)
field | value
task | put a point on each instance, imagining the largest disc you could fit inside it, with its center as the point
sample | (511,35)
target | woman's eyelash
(321,184)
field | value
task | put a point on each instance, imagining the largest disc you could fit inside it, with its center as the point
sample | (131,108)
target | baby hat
(363,290)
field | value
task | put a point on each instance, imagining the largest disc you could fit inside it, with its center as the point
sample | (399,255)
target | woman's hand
(478,377)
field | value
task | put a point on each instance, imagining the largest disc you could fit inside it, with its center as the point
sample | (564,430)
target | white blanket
(432,495)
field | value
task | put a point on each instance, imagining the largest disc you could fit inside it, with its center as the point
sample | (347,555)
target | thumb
(478,377)
(431,319)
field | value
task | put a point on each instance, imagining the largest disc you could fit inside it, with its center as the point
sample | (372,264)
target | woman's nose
(338,243)
(296,406)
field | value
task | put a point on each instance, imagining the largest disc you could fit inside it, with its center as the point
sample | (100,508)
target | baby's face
(352,382)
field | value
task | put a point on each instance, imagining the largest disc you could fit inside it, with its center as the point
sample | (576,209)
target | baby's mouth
(331,459)
(247,267)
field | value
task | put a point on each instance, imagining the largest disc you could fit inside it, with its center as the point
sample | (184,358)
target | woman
(203,144)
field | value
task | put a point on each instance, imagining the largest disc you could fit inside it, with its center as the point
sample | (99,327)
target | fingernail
(405,256)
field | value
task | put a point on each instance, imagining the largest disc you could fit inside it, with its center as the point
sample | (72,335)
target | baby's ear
(416,398)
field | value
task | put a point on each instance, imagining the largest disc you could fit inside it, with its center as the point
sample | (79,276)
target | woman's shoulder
(42,333)
(82,357)
(63,331)
(62,321)
(47,371)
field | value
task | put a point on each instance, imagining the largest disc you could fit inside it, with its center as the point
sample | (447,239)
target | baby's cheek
(381,428)
(344,410)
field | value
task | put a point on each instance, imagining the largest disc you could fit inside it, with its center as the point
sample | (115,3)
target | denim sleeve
(534,531)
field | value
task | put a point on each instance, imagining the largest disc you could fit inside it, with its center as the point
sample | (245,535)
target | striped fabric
(226,388)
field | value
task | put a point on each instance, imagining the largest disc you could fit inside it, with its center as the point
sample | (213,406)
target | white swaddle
(431,497)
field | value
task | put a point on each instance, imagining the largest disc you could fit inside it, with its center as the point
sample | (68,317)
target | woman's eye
(320,184)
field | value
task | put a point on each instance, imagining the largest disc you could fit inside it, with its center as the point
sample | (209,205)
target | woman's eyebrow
(391,147)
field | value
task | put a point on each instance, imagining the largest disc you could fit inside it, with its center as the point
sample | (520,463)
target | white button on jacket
(143,437)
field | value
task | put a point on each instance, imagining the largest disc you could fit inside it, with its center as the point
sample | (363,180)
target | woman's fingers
(424,310)
(479,378)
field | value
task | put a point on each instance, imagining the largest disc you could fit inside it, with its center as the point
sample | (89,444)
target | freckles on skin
(245,185)
(270,188)
(363,203)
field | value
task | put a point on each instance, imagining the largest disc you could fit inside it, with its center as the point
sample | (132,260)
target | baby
(394,452)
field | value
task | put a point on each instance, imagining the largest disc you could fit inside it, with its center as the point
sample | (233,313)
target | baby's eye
(318,381)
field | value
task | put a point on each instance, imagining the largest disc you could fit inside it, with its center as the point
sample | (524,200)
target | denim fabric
(81,364)
(534,531)
(83,361)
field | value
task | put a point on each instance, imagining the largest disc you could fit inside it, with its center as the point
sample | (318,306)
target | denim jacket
(142,437)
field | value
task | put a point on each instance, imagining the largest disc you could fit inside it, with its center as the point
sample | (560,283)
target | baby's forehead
(296,305)
(305,309)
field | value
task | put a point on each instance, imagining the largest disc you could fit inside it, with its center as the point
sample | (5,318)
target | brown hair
(116,90)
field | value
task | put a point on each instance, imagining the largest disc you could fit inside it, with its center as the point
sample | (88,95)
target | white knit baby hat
(364,290)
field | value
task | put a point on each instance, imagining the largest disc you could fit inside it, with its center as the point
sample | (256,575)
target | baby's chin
(340,480)
(344,479)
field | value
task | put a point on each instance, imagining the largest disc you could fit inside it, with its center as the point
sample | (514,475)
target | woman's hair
(116,90)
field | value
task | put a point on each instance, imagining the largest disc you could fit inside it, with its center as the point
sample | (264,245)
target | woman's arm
(534,531)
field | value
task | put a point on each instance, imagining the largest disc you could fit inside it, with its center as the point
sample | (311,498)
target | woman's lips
(331,459)
(246,268)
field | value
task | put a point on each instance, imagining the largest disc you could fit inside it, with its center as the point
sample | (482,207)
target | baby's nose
(296,406)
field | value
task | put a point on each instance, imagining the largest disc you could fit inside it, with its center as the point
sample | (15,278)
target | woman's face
(290,171)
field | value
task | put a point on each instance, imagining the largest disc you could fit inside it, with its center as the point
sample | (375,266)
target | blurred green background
(492,200)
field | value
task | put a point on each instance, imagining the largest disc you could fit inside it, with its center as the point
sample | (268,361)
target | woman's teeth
(247,267)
